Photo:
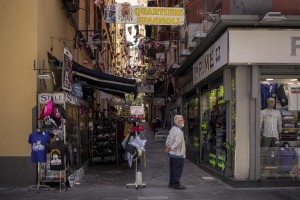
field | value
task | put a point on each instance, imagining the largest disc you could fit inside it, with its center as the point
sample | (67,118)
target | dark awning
(104,82)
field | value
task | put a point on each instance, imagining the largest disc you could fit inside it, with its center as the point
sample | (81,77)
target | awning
(111,84)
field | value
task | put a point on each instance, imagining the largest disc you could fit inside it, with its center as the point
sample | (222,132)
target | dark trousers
(176,169)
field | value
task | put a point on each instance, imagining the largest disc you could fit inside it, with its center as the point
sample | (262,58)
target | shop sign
(125,13)
(136,110)
(57,98)
(67,78)
(159,101)
(74,100)
(213,59)
(264,46)
(125,113)
(76,176)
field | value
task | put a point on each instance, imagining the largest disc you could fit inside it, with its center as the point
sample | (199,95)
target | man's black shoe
(179,187)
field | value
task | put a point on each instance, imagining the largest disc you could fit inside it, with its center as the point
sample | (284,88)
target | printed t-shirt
(38,141)
(58,151)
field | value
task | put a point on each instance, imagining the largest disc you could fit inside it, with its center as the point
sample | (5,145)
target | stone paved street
(108,182)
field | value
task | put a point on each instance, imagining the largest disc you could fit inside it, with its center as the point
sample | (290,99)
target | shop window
(280,128)
(192,125)
(213,128)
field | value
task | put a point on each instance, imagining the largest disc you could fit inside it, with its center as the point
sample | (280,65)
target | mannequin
(58,150)
(270,126)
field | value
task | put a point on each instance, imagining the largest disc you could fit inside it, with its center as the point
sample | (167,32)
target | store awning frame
(104,82)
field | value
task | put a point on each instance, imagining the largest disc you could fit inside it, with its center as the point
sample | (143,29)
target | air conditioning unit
(199,35)
(273,17)
(192,28)
(185,52)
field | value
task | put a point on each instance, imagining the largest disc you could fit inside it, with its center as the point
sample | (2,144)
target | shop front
(73,132)
(235,77)
(191,116)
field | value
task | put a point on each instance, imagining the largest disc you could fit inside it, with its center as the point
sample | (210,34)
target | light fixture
(44,76)
(273,17)
(185,52)
(269,79)
(199,35)
(294,79)
(175,66)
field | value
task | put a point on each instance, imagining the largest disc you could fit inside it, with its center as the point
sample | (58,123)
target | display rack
(72,127)
(38,186)
(138,180)
(104,142)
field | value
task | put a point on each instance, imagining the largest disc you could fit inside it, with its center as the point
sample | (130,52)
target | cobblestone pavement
(108,182)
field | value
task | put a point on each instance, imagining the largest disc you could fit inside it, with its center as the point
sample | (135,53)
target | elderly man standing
(175,146)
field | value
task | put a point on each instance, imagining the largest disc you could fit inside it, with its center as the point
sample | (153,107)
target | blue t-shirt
(39,143)
(267,91)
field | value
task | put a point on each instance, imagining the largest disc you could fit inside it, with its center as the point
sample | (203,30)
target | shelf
(291,119)
(285,128)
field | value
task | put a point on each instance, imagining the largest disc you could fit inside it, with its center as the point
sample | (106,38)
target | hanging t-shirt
(58,151)
(38,141)
(281,96)
(294,96)
(268,90)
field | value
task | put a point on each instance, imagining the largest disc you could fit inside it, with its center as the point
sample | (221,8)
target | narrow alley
(108,182)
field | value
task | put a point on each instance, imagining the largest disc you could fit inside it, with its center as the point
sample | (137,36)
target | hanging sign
(110,14)
(67,78)
(136,110)
(57,98)
(159,101)
(125,13)
(146,88)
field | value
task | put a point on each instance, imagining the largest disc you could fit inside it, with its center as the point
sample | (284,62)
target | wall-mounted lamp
(47,77)
(273,17)
(198,36)
(44,76)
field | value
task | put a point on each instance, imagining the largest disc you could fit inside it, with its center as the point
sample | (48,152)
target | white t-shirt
(294,96)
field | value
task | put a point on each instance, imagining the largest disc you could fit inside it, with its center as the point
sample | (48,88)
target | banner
(149,15)
(67,78)
(110,14)
(158,101)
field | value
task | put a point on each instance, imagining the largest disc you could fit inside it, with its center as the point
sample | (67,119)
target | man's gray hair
(177,117)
